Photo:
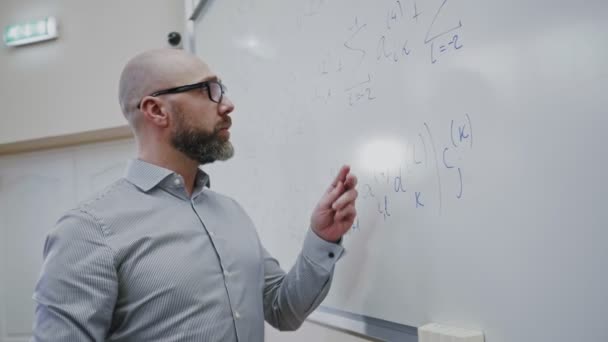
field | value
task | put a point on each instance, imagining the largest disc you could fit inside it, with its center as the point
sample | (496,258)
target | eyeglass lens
(216,91)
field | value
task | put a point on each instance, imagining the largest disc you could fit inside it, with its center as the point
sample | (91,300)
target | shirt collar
(147,176)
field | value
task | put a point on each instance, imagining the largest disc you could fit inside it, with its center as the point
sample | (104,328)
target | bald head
(155,70)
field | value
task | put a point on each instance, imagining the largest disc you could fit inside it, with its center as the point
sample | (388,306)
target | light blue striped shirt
(143,261)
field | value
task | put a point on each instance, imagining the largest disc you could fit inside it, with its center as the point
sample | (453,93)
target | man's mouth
(223,130)
(225,126)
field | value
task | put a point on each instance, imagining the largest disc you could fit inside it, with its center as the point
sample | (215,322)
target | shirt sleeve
(76,292)
(290,297)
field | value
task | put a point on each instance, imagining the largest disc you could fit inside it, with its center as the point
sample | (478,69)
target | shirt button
(211,234)
(226,273)
(331,254)
(237,315)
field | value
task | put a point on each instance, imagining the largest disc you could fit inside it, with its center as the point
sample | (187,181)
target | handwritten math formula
(396,34)
(440,154)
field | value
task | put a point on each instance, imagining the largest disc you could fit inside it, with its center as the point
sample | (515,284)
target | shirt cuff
(321,252)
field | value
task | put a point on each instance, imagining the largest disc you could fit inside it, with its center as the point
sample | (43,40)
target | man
(158,256)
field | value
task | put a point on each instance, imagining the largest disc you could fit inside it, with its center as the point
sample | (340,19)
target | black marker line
(426,39)
(436,165)
(460,174)
(452,133)
(471,128)
(369,79)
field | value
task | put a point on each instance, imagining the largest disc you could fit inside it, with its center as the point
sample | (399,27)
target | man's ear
(154,112)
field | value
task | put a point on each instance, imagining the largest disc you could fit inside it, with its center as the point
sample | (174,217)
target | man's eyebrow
(210,78)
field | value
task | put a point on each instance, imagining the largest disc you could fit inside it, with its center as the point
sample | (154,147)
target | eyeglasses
(215,90)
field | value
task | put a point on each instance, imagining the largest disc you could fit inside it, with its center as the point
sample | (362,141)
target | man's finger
(341,177)
(349,212)
(331,196)
(351,181)
(345,199)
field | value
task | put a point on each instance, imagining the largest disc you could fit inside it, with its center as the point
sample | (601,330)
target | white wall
(35,189)
(70,85)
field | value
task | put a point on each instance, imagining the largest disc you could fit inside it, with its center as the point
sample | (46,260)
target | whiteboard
(477,131)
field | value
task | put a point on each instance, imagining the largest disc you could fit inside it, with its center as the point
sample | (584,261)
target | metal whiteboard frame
(363,326)
(193,9)
(346,322)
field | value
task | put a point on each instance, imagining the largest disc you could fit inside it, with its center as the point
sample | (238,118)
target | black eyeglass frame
(188,87)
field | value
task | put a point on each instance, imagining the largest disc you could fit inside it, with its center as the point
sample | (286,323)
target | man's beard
(201,146)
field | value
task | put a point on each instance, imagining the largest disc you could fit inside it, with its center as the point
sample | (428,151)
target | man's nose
(226,106)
